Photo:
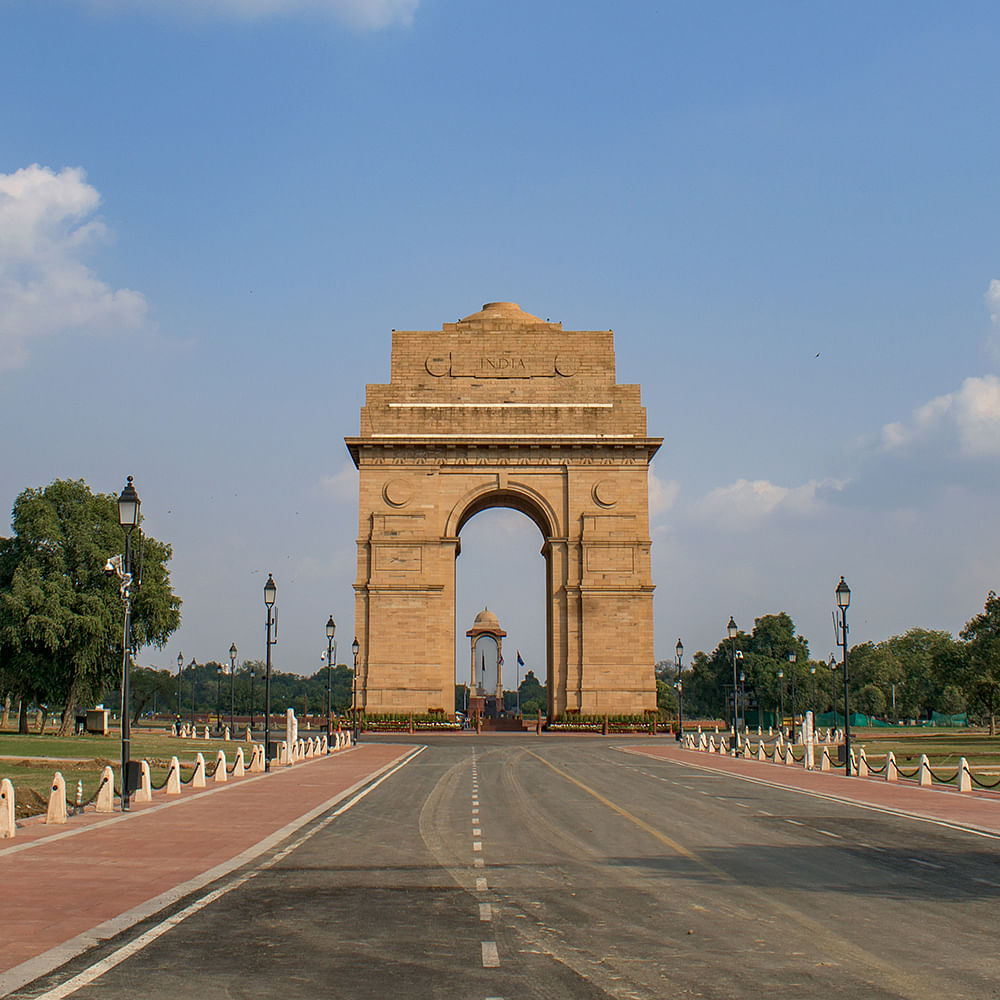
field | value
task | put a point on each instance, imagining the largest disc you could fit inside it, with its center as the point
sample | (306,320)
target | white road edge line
(126,951)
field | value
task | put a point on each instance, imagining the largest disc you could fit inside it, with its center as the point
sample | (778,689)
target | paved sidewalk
(978,811)
(65,888)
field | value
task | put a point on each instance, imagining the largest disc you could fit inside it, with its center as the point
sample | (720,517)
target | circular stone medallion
(605,493)
(566,365)
(438,366)
(397,493)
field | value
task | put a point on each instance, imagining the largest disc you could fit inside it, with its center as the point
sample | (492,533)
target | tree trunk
(22,717)
(6,713)
(43,715)
(68,724)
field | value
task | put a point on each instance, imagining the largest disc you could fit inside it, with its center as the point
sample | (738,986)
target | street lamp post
(192,666)
(678,663)
(218,697)
(270,593)
(732,629)
(781,712)
(232,688)
(792,659)
(355,649)
(743,700)
(331,629)
(180,664)
(128,518)
(812,672)
(253,673)
(843,593)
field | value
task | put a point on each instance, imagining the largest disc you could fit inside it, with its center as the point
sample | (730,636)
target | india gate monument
(503,409)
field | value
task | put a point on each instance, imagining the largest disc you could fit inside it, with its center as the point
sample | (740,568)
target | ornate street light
(232,688)
(843,594)
(355,649)
(128,518)
(792,660)
(679,684)
(781,715)
(732,629)
(270,593)
(331,629)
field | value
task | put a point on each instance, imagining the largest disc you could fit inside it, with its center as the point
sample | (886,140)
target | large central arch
(503,409)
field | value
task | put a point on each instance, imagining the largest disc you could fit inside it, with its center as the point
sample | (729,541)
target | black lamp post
(331,629)
(253,671)
(232,688)
(743,699)
(180,664)
(193,668)
(678,663)
(270,593)
(128,518)
(843,593)
(812,672)
(781,712)
(732,629)
(218,696)
(355,649)
(792,660)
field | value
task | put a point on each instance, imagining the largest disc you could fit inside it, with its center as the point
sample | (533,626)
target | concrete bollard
(891,771)
(711,744)
(824,761)
(325,745)
(283,757)
(225,734)
(964,777)
(789,756)
(239,768)
(862,763)
(174,777)
(249,736)
(220,775)
(7,812)
(746,750)
(924,772)
(144,793)
(57,800)
(106,793)
(302,750)
(206,733)
(761,752)
(198,779)
(702,741)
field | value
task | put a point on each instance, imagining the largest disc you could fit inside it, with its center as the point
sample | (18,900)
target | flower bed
(398,722)
(595,724)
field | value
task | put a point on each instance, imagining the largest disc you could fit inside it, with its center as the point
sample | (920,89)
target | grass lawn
(31,774)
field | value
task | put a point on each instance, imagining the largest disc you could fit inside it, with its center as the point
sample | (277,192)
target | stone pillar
(57,800)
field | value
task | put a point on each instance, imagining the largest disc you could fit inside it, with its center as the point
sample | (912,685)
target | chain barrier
(940,779)
(93,798)
(188,780)
(983,784)
(211,774)
(876,770)
(907,774)
(163,784)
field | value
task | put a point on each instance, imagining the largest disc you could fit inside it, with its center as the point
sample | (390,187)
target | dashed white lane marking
(986,881)
(764,812)
(485,912)
(926,864)
(477,845)
(481,885)
(491,957)
(479,863)
(827,833)
(794,822)
(742,805)
(476,831)
(475,810)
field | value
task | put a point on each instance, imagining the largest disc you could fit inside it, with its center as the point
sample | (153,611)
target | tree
(534,697)
(60,615)
(982,674)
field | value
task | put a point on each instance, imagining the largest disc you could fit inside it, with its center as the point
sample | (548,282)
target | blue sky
(212,214)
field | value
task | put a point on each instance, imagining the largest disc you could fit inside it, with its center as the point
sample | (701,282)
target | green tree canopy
(60,613)
(982,667)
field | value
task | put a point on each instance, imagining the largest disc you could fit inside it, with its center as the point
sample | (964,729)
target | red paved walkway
(976,810)
(60,882)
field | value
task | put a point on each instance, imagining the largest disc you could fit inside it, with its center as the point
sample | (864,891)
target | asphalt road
(598,873)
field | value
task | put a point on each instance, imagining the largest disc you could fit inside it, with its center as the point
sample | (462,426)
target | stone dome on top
(486,617)
(509,311)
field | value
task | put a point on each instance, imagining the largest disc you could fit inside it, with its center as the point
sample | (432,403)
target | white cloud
(371,14)
(968,419)
(45,287)
(993,302)
(744,503)
(662,494)
(343,484)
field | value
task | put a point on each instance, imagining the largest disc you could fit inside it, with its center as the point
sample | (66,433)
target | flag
(499,659)
(520,662)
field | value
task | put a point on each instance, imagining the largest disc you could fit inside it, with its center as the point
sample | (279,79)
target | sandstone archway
(502,409)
